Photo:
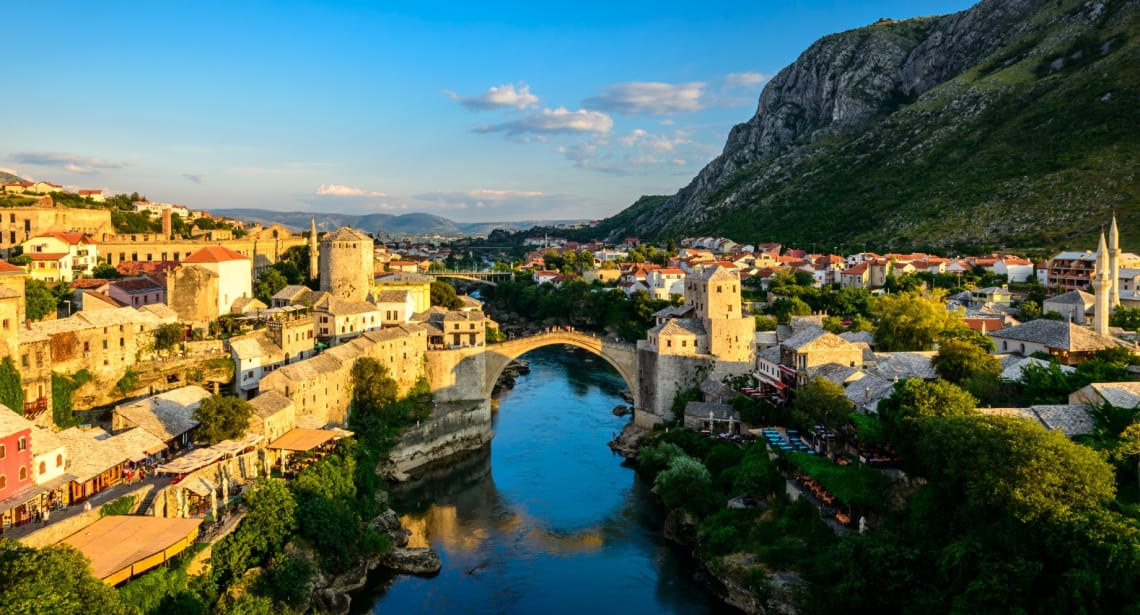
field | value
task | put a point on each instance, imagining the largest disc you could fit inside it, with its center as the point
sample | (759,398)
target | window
(3,451)
(3,481)
(668,343)
(24,360)
(22,444)
(59,461)
(23,473)
(43,468)
(7,324)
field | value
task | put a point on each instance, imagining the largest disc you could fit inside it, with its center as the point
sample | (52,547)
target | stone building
(337,320)
(320,387)
(14,278)
(287,338)
(453,329)
(19,224)
(396,306)
(234,271)
(415,284)
(192,292)
(709,337)
(262,248)
(346,264)
(60,257)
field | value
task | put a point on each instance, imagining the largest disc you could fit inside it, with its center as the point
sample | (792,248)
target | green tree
(822,401)
(39,302)
(913,400)
(686,484)
(911,321)
(1029,310)
(169,335)
(269,284)
(222,417)
(958,361)
(443,294)
(784,308)
(373,389)
(105,271)
(54,580)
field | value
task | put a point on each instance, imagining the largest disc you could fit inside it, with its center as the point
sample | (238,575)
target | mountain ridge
(392,224)
(1007,124)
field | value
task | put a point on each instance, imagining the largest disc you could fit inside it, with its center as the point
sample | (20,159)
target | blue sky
(501,112)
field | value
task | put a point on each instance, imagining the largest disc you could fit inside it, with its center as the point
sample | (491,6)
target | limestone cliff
(881,126)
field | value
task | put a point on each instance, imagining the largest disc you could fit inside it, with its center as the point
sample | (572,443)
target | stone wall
(240,470)
(453,428)
(192,292)
(456,375)
(661,377)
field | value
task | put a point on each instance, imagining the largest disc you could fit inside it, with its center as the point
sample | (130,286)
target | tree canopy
(959,360)
(54,580)
(222,417)
(443,294)
(911,321)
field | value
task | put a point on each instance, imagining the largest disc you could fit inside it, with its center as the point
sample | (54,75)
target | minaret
(1100,284)
(1114,263)
(314,268)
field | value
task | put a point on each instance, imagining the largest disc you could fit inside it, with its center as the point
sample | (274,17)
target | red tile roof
(6,267)
(213,254)
(69,238)
(132,268)
(45,256)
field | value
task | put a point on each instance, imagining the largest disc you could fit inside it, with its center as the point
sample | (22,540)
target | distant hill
(7,178)
(1014,123)
(404,224)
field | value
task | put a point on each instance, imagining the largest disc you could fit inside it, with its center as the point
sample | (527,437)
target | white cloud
(501,97)
(554,121)
(73,163)
(734,81)
(342,190)
(652,98)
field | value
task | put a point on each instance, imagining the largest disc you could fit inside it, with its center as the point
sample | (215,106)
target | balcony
(32,409)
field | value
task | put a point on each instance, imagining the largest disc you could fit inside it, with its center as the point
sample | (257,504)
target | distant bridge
(486,277)
(623,357)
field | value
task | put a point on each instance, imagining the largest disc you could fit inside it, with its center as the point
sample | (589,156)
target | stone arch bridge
(623,357)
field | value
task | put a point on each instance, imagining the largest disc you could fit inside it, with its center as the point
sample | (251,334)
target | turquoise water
(546,519)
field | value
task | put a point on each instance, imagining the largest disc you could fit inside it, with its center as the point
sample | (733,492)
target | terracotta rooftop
(214,254)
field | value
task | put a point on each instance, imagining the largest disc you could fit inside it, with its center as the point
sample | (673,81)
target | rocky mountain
(416,224)
(1014,123)
(6,177)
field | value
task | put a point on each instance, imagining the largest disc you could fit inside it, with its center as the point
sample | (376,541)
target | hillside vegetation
(1030,143)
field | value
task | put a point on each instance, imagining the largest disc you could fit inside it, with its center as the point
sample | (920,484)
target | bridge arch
(623,357)
(463,276)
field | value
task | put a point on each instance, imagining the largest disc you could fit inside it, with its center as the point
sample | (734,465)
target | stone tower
(1114,263)
(1101,284)
(718,303)
(346,264)
(314,266)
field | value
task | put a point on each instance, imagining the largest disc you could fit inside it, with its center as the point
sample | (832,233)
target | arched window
(59,461)
(3,481)
(23,473)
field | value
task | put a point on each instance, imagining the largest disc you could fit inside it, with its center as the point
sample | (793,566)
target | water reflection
(545,518)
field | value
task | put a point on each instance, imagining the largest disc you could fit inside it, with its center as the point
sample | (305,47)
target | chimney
(166,224)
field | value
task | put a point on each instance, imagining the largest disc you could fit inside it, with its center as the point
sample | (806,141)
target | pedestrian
(47,515)
(86,505)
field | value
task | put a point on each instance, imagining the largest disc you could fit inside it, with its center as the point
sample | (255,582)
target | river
(545,519)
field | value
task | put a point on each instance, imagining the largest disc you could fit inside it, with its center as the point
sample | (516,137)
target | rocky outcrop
(625,444)
(830,108)
(412,560)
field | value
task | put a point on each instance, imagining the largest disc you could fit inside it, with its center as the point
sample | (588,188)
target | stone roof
(858,337)
(766,339)
(346,233)
(255,345)
(91,452)
(10,422)
(868,390)
(44,440)
(771,355)
(1119,394)
(166,415)
(308,369)
(269,403)
(1058,335)
(1072,420)
(903,365)
(674,311)
(398,277)
(682,326)
(344,307)
(392,296)
(242,305)
(292,293)
(1013,365)
(1074,297)
(141,284)
(835,372)
(701,409)
(161,311)
(718,272)
(469,302)
(815,339)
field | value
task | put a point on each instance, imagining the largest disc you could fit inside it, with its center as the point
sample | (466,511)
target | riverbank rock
(388,522)
(412,560)
(621,410)
(625,444)
(681,527)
